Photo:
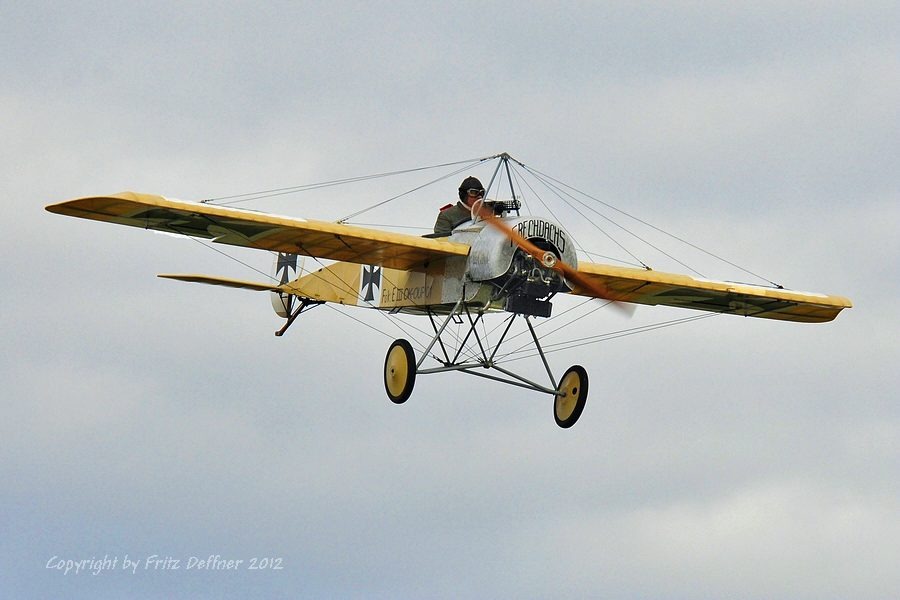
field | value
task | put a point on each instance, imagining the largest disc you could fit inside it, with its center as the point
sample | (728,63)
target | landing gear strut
(401,367)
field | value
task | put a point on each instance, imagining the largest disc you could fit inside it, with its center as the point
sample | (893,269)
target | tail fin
(288,267)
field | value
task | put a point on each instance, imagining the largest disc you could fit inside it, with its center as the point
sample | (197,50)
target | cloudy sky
(725,457)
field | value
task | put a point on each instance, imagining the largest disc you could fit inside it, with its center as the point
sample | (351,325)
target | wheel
(567,408)
(399,371)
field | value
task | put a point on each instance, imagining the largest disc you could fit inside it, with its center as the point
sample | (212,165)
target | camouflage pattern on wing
(260,230)
(665,289)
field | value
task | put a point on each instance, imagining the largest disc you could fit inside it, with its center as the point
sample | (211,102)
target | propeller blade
(549,260)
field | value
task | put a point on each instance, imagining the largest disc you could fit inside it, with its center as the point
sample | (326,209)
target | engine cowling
(522,282)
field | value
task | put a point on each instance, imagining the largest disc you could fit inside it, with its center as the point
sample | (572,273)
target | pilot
(452,215)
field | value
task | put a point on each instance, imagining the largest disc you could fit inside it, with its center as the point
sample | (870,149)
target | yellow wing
(260,230)
(655,288)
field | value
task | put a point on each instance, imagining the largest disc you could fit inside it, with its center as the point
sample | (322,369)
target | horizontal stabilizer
(234,283)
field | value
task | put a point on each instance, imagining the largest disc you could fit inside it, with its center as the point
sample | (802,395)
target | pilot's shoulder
(443,208)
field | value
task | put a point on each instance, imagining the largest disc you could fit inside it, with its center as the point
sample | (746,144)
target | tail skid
(304,304)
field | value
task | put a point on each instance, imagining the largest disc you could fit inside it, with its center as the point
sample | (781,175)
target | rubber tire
(566,410)
(399,371)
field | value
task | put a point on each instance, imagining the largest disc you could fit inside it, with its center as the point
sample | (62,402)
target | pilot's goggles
(475,193)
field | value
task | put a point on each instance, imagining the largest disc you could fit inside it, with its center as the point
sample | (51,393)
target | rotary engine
(524,284)
(528,285)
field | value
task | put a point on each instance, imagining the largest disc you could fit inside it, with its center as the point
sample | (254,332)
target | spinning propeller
(549,260)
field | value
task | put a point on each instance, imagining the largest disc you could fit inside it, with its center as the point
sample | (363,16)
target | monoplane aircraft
(499,262)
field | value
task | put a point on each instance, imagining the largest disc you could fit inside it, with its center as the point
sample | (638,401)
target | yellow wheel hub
(399,371)
(568,406)
(565,405)
(396,371)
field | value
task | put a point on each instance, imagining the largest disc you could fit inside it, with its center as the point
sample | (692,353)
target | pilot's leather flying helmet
(469,183)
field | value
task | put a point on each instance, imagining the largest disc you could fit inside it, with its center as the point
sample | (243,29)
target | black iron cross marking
(371,281)
(288,264)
